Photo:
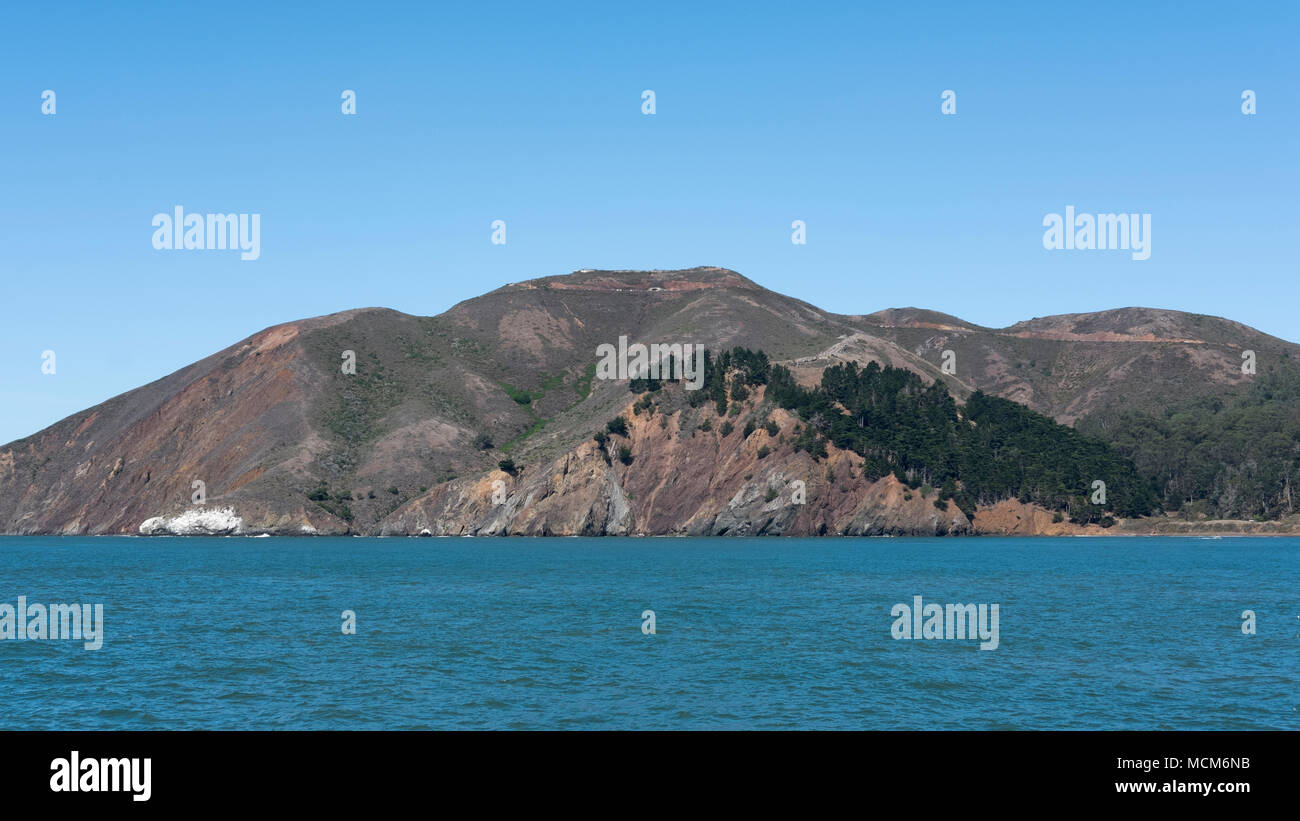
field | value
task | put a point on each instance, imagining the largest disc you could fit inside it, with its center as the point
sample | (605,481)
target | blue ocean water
(243,633)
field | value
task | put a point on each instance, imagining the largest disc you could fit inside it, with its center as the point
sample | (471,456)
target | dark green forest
(1223,459)
(992,449)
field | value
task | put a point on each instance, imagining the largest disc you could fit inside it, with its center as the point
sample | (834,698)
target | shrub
(625,454)
(508,465)
(617,425)
(522,397)
(817,449)
(949,489)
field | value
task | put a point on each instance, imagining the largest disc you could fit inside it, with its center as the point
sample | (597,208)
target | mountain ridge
(267,422)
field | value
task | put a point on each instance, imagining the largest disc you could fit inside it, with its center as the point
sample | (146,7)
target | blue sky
(531,113)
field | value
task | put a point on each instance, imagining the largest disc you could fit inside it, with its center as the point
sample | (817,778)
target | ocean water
(245,633)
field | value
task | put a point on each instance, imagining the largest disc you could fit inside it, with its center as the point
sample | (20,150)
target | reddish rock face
(704,484)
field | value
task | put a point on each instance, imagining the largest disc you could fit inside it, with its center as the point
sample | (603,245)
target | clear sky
(532,113)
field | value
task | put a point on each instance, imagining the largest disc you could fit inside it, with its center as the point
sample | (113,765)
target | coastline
(1153,527)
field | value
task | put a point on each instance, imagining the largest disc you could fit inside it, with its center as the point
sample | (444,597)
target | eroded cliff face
(683,478)
(696,483)
(578,494)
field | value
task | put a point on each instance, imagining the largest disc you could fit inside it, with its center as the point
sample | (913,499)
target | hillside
(1073,365)
(287,442)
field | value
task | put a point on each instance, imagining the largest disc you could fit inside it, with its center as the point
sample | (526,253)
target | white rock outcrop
(195,522)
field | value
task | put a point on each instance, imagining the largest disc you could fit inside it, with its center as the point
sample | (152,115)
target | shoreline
(1111,533)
